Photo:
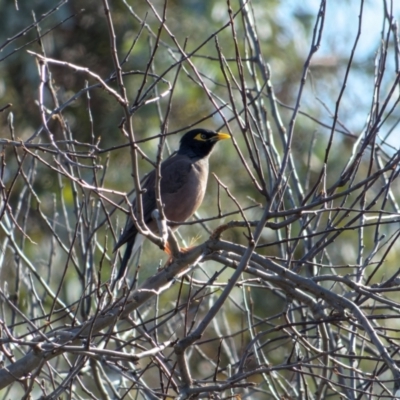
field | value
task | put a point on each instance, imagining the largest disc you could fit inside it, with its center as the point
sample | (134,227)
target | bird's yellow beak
(223,136)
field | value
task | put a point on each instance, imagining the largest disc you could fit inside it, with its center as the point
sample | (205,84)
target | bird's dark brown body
(182,187)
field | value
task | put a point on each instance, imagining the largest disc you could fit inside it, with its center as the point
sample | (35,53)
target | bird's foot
(171,257)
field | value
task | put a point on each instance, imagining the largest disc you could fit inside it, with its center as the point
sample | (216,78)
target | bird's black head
(198,143)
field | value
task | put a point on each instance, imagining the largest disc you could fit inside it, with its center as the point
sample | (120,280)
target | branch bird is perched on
(182,187)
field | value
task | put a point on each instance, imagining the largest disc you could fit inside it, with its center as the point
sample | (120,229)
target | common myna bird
(182,187)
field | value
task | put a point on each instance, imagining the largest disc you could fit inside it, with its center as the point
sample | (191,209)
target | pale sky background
(340,32)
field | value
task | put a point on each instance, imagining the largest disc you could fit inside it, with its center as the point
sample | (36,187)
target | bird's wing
(174,174)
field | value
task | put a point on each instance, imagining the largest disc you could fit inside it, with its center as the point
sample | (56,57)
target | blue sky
(340,30)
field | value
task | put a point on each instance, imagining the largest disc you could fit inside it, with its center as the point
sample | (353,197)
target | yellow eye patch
(201,136)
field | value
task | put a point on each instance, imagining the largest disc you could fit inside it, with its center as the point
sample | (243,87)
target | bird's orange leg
(168,250)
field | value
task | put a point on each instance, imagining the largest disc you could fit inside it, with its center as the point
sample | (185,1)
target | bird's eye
(202,137)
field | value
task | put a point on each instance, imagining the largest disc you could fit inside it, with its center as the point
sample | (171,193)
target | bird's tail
(125,260)
(131,249)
